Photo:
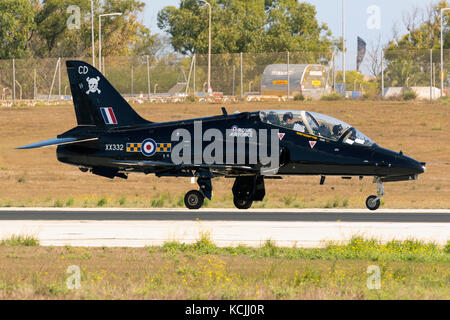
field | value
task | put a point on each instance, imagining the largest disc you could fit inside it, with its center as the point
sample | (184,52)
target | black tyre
(372,204)
(242,204)
(194,200)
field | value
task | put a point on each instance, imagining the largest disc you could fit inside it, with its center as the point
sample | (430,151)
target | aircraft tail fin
(96,101)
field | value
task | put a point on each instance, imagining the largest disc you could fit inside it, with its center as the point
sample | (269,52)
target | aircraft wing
(56,142)
(213,167)
(138,163)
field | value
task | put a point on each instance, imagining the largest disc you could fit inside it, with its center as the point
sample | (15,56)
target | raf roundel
(148,147)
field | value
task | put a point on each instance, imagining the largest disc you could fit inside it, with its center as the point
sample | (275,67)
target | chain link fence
(237,76)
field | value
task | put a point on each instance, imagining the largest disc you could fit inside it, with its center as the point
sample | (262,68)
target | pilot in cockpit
(337,131)
(288,117)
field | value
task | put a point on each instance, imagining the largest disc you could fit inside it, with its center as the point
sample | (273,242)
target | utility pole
(92,33)
(209,47)
(14,80)
(382,73)
(343,46)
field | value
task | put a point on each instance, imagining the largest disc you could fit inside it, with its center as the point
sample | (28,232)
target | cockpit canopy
(316,124)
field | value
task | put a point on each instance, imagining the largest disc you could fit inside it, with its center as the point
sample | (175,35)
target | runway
(225,227)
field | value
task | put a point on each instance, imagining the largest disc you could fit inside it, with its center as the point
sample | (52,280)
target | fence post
(195,68)
(59,80)
(132,80)
(148,78)
(234,75)
(189,77)
(14,80)
(34,85)
(53,80)
(288,89)
(431,75)
(334,71)
(242,77)
(434,74)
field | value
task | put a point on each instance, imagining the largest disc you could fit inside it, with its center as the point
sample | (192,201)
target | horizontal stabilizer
(56,142)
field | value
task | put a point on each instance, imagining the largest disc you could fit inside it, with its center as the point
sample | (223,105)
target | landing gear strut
(373,202)
(194,199)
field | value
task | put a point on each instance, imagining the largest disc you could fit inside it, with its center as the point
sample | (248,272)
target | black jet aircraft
(112,140)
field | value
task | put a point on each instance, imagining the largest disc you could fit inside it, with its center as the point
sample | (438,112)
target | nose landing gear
(194,199)
(373,202)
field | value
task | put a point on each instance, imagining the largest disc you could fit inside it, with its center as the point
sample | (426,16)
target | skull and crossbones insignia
(93,85)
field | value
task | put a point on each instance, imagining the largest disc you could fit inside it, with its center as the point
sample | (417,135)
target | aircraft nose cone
(414,166)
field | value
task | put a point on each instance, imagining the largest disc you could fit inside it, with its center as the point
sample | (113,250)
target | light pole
(343,48)
(100,36)
(442,49)
(209,47)
(92,33)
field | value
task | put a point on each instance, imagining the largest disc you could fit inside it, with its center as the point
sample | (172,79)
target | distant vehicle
(112,140)
(306,79)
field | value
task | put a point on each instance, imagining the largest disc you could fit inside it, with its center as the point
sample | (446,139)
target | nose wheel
(194,200)
(373,202)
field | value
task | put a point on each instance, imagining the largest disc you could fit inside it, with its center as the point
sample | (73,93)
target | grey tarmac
(225,227)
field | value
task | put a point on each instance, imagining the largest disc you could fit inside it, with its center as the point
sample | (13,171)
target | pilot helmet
(288,115)
(337,129)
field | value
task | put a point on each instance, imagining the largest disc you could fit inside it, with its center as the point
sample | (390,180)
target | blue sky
(329,12)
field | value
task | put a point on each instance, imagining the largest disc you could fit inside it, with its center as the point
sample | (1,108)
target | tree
(354,81)
(123,35)
(408,57)
(16,25)
(244,26)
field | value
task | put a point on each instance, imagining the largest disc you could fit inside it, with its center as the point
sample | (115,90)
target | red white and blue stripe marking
(108,115)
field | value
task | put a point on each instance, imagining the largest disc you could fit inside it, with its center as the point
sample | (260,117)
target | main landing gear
(246,189)
(373,202)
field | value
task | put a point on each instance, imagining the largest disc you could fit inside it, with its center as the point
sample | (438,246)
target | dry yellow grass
(35,177)
(163,273)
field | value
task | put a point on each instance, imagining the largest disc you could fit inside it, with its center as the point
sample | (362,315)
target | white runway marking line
(222,233)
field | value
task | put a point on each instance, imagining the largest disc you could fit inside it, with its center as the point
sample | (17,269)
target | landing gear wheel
(194,200)
(242,204)
(372,203)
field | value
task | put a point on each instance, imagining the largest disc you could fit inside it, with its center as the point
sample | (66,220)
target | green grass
(332,97)
(20,240)
(356,249)
(201,270)
(102,202)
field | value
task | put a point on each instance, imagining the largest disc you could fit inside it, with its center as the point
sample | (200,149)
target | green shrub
(58,203)
(20,240)
(332,97)
(409,95)
(102,202)
(299,97)
(365,96)
(191,98)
